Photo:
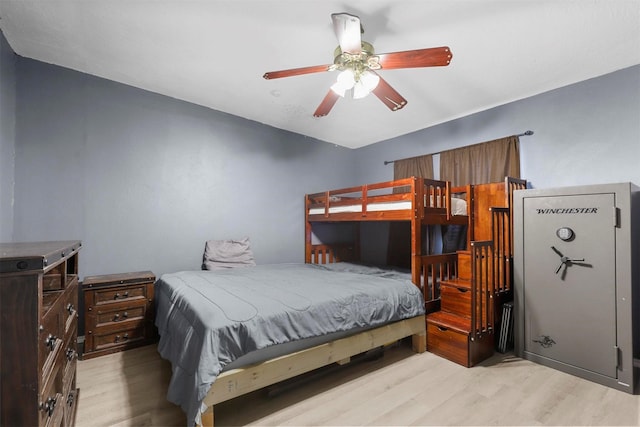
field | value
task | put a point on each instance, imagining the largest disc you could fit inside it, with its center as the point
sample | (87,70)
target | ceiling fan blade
(431,57)
(296,71)
(327,104)
(389,96)
(348,30)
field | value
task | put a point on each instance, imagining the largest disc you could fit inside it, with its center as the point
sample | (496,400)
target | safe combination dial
(565,233)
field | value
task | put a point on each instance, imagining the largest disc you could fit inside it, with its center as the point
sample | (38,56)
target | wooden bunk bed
(420,201)
(463,291)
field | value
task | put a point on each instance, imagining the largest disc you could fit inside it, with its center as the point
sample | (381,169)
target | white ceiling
(214,53)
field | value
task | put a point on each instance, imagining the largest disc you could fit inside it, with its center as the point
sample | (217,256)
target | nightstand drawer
(120,313)
(109,338)
(119,294)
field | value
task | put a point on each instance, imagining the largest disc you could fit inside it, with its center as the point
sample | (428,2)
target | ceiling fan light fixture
(344,82)
(367,82)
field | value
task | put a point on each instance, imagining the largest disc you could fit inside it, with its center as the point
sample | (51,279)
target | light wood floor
(400,388)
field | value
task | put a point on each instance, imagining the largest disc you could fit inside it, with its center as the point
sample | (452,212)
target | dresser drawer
(52,411)
(51,404)
(70,355)
(70,304)
(52,282)
(50,338)
(71,406)
(69,376)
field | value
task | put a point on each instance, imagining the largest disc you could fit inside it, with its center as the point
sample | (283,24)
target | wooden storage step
(455,297)
(450,333)
(449,336)
(464,265)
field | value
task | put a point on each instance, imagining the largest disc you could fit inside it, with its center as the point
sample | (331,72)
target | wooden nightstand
(118,312)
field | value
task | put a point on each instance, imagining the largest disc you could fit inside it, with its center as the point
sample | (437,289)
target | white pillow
(458,206)
(220,254)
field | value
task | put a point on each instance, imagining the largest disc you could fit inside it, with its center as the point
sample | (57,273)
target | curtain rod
(525,133)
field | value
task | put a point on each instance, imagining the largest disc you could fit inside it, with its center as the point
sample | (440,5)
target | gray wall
(144,180)
(7,137)
(586,133)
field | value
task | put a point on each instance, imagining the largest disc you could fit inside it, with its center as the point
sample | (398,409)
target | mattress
(207,320)
(458,207)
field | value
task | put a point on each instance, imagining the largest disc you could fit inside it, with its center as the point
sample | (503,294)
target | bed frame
(429,202)
(237,382)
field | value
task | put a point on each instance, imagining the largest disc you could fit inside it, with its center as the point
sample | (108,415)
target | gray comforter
(208,319)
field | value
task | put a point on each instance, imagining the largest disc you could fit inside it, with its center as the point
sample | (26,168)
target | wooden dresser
(118,313)
(38,333)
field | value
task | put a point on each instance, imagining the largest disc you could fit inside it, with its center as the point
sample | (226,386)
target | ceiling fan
(357,63)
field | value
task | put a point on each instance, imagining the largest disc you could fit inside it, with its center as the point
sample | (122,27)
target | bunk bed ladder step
(464,265)
(450,336)
(463,330)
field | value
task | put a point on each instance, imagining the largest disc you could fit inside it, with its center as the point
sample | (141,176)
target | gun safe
(576,280)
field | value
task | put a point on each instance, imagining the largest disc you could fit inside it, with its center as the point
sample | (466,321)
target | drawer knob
(48,406)
(70,399)
(50,342)
(117,295)
(123,338)
(71,354)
